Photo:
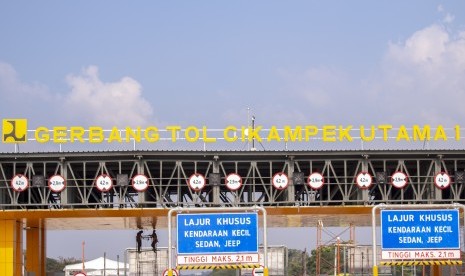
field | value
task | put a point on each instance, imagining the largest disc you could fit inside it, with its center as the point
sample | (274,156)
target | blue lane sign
(217,233)
(420,229)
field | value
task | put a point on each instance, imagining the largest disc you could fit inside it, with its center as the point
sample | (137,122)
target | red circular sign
(399,180)
(280,181)
(233,181)
(104,183)
(140,182)
(364,180)
(175,272)
(56,183)
(19,183)
(316,180)
(197,182)
(442,180)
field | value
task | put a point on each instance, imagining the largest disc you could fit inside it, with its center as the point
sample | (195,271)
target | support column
(35,252)
(290,173)
(11,247)
(436,270)
(436,193)
(216,188)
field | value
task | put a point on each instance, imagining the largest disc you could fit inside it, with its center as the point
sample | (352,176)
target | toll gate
(168,173)
(135,189)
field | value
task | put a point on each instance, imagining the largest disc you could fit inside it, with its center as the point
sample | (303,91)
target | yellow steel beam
(36,244)
(94,219)
(11,245)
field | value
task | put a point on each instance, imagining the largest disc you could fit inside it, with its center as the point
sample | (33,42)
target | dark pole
(362,263)
(304,262)
(117,265)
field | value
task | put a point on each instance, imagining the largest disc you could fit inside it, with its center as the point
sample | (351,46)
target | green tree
(297,260)
(54,265)
(326,260)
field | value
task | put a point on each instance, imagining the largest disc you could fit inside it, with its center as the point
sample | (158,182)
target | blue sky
(205,62)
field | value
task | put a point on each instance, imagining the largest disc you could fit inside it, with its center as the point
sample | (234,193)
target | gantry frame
(168,173)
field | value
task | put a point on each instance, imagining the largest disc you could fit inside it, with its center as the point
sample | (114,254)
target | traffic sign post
(217,233)
(420,229)
(419,232)
(207,236)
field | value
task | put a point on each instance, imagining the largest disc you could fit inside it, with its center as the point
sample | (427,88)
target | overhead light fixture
(122,180)
(214,179)
(38,181)
(298,178)
(459,177)
(381,177)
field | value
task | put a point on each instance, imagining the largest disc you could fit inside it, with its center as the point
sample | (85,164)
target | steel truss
(168,173)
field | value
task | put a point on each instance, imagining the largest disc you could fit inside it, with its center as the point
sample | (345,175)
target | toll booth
(147,262)
(150,263)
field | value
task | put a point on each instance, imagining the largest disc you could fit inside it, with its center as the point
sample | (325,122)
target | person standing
(139,240)
(154,240)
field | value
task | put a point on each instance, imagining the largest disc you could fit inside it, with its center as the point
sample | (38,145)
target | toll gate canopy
(134,189)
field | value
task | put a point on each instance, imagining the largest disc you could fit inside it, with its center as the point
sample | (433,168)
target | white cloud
(107,103)
(448,18)
(12,89)
(318,82)
(425,47)
(19,99)
(425,73)
(324,95)
(420,80)
(90,100)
